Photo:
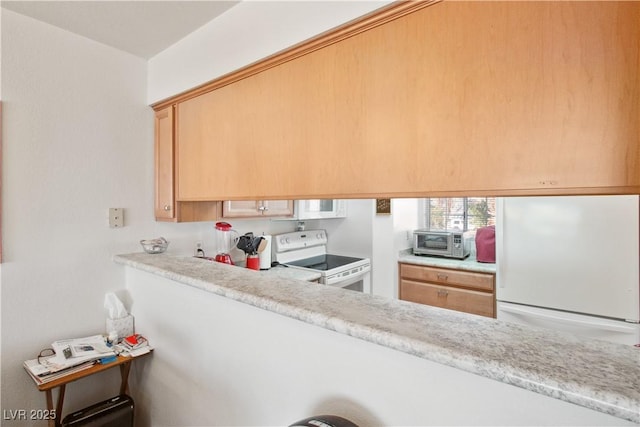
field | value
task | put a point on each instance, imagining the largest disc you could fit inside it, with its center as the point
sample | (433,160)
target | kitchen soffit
(142,28)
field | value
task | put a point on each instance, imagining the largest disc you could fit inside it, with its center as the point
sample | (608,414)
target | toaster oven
(449,244)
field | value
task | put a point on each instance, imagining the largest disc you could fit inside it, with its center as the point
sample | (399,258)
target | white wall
(77,139)
(244,34)
(219,362)
(351,236)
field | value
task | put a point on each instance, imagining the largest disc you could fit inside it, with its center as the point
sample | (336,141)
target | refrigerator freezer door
(583,326)
(577,253)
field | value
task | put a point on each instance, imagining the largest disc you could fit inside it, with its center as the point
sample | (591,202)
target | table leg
(52,422)
(55,421)
(61,391)
(124,375)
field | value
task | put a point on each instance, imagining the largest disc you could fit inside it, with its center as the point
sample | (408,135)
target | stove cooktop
(324,262)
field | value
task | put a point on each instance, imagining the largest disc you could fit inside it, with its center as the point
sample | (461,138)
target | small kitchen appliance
(307,250)
(226,239)
(486,244)
(449,244)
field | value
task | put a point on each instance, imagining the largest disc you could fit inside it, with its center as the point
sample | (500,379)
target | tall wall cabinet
(164,149)
(457,98)
(167,208)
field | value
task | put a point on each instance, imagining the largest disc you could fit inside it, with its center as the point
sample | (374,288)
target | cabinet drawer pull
(167,208)
(443,277)
(442,293)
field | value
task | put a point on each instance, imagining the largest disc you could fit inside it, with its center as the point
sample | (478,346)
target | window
(459,213)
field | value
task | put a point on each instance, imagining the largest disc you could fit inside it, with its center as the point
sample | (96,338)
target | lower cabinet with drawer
(468,291)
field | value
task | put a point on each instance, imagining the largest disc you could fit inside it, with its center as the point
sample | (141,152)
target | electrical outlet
(408,234)
(198,251)
(116,217)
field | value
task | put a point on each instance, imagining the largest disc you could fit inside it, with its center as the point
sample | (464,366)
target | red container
(253,262)
(486,244)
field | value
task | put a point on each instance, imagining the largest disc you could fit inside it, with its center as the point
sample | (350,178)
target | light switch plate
(116,217)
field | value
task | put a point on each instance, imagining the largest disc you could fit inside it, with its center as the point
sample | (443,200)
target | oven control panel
(359,269)
(299,240)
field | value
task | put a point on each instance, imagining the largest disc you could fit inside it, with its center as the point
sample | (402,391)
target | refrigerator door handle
(525,312)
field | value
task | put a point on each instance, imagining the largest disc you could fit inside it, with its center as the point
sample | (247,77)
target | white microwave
(320,209)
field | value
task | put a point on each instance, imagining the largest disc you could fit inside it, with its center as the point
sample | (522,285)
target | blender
(226,238)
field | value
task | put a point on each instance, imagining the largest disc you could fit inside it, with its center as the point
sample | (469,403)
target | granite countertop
(470,263)
(595,374)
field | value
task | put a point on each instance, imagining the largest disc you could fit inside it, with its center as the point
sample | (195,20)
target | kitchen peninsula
(263,349)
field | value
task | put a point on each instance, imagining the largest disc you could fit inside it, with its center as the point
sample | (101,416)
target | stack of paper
(41,374)
(70,356)
(78,350)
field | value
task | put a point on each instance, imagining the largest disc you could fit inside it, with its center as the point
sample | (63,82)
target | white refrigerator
(570,263)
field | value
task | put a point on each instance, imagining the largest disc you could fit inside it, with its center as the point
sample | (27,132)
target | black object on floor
(324,421)
(114,412)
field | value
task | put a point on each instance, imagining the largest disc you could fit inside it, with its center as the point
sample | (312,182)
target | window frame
(425,213)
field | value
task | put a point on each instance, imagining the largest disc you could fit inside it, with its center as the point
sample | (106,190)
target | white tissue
(119,322)
(113,305)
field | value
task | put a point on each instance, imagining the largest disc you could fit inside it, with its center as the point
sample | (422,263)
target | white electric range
(307,250)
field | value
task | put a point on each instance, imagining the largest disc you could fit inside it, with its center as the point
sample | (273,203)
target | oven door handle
(341,282)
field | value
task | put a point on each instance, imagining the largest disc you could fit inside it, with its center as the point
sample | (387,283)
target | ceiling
(142,28)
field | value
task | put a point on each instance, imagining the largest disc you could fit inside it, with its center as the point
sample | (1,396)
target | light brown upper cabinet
(164,201)
(473,98)
(166,206)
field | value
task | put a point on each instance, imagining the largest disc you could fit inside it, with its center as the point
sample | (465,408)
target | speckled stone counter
(469,263)
(595,374)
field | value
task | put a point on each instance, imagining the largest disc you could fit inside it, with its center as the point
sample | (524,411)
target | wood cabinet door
(465,300)
(446,276)
(241,209)
(165,209)
(494,98)
(277,207)
(256,208)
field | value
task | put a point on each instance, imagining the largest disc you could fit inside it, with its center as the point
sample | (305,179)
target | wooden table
(123,362)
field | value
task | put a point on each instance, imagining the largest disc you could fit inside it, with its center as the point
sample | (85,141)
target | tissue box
(123,326)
